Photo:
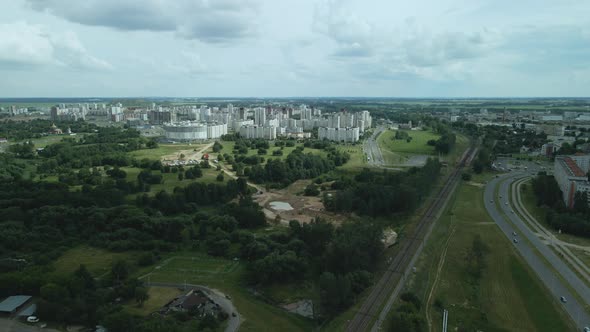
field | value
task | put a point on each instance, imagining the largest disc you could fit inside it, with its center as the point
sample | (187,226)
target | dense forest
(383,193)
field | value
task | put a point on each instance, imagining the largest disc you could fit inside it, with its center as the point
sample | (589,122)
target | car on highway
(515,240)
(586,329)
(500,196)
(563,299)
(512,211)
(506,203)
(514,233)
(491,201)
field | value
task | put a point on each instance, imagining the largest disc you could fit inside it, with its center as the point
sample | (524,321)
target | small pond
(281,206)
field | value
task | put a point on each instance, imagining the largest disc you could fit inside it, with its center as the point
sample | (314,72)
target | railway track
(400,263)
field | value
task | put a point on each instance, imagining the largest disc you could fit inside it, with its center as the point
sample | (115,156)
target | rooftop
(13,302)
(572,167)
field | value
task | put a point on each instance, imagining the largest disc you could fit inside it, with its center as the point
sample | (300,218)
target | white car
(32,319)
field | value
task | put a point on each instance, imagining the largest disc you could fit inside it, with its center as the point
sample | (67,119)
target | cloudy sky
(244,48)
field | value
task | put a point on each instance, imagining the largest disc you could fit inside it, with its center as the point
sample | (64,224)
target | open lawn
(170,180)
(163,150)
(357,159)
(226,275)
(416,146)
(506,297)
(97,261)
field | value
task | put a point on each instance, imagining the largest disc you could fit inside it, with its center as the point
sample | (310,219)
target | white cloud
(212,21)
(25,45)
(352,34)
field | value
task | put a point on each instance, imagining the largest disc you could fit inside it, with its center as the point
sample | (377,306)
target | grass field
(170,180)
(416,146)
(97,261)
(357,159)
(226,275)
(163,150)
(507,297)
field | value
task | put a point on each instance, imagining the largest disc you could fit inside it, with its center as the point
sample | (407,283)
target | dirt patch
(305,208)
(191,154)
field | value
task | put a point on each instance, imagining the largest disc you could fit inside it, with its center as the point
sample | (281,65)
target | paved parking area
(10,325)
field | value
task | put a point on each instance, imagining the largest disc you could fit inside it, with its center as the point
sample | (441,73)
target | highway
(374,308)
(372,149)
(530,249)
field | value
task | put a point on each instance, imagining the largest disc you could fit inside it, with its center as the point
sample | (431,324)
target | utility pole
(445,320)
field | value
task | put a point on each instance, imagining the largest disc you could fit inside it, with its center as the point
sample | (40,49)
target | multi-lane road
(372,149)
(557,276)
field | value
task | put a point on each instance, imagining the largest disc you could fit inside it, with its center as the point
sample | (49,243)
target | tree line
(383,193)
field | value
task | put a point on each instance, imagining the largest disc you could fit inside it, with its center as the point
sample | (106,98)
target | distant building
(189,131)
(571,175)
(551,118)
(549,149)
(255,131)
(160,117)
(259,116)
(351,134)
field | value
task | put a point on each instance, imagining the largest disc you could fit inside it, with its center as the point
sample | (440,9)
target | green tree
(141,295)
(54,293)
(120,270)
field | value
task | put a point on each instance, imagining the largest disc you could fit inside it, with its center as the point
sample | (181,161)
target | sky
(290,48)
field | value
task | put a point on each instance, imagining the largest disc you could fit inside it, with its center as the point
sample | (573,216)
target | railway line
(410,245)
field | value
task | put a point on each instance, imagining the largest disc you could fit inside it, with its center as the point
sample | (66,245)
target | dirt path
(188,154)
(441,263)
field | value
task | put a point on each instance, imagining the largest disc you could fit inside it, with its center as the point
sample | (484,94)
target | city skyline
(443,49)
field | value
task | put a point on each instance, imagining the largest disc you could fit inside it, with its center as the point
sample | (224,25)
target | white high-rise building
(351,134)
(334,121)
(259,116)
(256,131)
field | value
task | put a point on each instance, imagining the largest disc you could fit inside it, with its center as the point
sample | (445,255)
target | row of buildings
(262,122)
(530,116)
(195,122)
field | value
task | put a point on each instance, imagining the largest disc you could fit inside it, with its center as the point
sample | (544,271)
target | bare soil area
(305,208)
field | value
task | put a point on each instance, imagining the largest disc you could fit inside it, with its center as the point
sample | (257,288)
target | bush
(311,190)
(146,259)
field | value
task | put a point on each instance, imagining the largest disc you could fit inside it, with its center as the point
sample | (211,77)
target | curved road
(510,222)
